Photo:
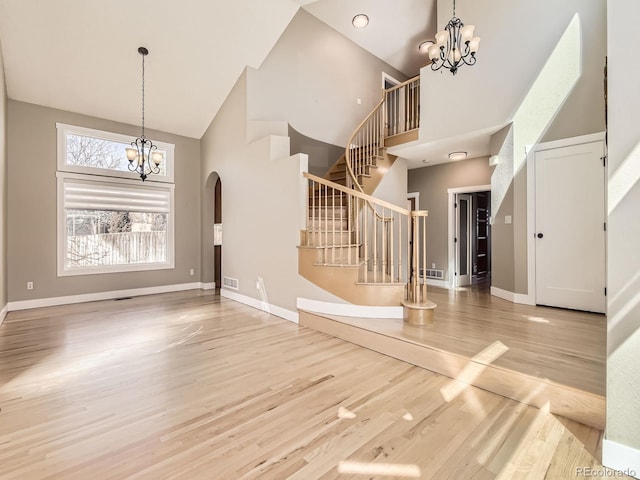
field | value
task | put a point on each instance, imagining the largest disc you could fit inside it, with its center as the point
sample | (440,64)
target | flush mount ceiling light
(454,46)
(457,155)
(142,152)
(424,46)
(360,20)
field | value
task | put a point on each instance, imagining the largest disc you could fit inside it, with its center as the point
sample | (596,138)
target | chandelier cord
(454,10)
(143,96)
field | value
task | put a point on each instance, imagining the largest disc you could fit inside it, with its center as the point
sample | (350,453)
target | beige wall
(303,82)
(321,155)
(32,208)
(553,91)
(262,208)
(3,189)
(432,183)
(312,79)
(518,40)
(623,367)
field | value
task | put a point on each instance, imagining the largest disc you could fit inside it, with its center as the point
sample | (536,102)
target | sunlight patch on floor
(472,370)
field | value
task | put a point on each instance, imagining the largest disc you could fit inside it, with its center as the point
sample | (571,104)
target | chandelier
(454,46)
(142,155)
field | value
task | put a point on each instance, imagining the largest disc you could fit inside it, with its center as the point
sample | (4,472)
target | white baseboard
(621,458)
(208,286)
(348,310)
(512,297)
(438,283)
(3,314)
(92,297)
(255,303)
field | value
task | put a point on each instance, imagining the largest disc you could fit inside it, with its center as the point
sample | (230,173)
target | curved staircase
(360,248)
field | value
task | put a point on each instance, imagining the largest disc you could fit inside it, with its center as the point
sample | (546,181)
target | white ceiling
(81,55)
(418,155)
(393,33)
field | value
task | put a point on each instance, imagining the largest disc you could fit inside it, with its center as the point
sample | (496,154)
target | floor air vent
(230,282)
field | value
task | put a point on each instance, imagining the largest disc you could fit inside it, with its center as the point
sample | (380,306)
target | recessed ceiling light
(457,155)
(424,46)
(360,20)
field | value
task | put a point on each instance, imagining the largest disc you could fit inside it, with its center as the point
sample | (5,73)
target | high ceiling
(81,55)
(393,34)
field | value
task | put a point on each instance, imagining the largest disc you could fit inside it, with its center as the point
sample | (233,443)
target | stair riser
(321,225)
(337,255)
(318,239)
(328,212)
(328,201)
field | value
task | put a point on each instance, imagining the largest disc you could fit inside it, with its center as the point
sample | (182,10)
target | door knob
(540,235)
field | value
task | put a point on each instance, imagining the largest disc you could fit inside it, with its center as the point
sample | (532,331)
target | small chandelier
(142,155)
(454,46)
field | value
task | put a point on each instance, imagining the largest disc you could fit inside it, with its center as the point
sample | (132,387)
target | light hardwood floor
(190,386)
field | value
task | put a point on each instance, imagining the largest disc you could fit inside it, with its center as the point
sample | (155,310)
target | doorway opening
(469,236)
(217,242)
(211,247)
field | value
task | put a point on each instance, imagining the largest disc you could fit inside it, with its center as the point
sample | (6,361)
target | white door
(463,239)
(570,228)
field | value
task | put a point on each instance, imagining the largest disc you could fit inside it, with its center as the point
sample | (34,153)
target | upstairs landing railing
(397,112)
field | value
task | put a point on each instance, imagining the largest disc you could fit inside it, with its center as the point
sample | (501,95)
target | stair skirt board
(343,281)
(582,406)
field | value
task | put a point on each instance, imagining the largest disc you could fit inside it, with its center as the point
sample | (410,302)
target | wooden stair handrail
(403,84)
(365,197)
(352,175)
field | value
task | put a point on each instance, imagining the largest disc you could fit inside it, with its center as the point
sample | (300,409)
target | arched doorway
(217,245)
(211,232)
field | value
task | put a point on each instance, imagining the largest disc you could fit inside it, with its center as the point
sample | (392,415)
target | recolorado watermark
(602,472)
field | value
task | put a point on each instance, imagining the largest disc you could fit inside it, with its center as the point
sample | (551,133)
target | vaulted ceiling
(81,55)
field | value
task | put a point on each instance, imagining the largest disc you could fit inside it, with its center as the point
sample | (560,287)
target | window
(83,150)
(108,222)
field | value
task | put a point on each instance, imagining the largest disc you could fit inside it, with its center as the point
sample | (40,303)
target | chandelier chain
(454,8)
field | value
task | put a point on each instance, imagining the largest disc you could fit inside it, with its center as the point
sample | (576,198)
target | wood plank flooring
(191,386)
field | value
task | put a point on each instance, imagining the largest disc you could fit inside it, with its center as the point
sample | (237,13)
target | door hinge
(455,205)
(455,240)
(604,160)
(605,291)
(605,226)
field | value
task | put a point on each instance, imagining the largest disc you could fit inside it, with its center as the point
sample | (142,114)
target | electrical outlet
(29,285)
(433,266)
(192,272)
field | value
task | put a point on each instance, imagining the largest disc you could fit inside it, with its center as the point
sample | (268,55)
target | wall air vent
(230,282)
(437,274)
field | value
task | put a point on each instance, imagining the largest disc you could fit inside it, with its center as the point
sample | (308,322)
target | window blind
(81,195)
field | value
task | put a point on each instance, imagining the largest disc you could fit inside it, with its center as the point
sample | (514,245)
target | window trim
(64,271)
(63,129)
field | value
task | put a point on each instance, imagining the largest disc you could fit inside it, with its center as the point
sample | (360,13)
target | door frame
(416,197)
(530,297)
(451,230)
(459,197)
(390,79)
